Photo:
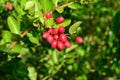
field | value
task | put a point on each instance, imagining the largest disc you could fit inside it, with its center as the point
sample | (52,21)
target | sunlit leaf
(32,73)
(47,5)
(65,23)
(13,25)
(29,5)
(73,28)
(7,36)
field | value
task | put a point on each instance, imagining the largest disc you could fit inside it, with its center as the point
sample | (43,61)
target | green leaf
(47,5)
(33,39)
(29,5)
(61,10)
(3,48)
(37,9)
(73,28)
(49,23)
(32,73)
(74,6)
(65,23)
(13,25)
(17,48)
(55,2)
(71,48)
(7,36)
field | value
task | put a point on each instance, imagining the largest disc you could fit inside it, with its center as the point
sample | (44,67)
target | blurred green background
(32,58)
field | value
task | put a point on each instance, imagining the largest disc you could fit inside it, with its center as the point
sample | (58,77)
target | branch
(65,5)
(22,35)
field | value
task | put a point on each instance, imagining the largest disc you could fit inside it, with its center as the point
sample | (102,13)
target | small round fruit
(54,43)
(9,6)
(50,39)
(79,40)
(45,35)
(50,30)
(55,31)
(59,20)
(61,29)
(48,15)
(63,37)
(56,37)
(60,45)
(67,44)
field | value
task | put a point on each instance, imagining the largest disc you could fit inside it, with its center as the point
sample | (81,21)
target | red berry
(50,30)
(50,39)
(53,44)
(48,15)
(63,37)
(55,31)
(61,29)
(67,44)
(9,6)
(45,35)
(56,37)
(60,45)
(59,20)
(79,40)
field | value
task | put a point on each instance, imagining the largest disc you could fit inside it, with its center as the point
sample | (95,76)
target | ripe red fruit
(54,43)
(45,35)
(79,40)
(63,37)
(48,15)
(9,6)
(67,44)
(50,39)
(50,30)
(55,31)
(60,45)
(56,37)
(59,20)
(61,29)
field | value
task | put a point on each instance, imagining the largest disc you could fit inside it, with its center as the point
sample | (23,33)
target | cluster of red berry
(56,36)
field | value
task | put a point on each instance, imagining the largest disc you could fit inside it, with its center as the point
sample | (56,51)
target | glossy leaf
(73,28)
(13,25)
(29,5)
(47,5)
(7,36)
(65,23)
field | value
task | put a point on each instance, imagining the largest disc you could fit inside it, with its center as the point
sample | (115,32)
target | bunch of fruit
(56,36)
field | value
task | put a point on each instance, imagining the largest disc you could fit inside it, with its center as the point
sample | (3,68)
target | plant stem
(67,4)
(22,35)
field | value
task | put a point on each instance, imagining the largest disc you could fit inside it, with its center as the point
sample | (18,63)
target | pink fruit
(53,44)
(9,6)
(50,30)
(63,37)
(67,44)
(48,15)
(61,29)
(60,45)
(79,40)
(55,31)
(45,35)
(59,20)
(56,37)
(50,39)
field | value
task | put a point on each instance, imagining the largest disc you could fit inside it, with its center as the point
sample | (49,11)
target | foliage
(25,55)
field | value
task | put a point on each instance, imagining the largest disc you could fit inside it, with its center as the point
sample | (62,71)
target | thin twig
(22,35)
(65,5)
